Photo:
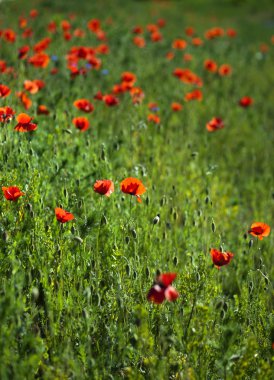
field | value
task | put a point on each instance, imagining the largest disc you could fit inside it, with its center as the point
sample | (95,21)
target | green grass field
(73,296)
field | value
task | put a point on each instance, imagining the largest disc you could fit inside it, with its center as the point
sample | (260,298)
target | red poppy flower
(210,65)
(197,41)
(194,95)
(33,13)
(133,186)
(9,35)
(231,32)
(246,101)
(99,96)
(26,101)
(52,27)
(4,91)
(63,216)
(39,60)
(176,107)
(94,25)
(162,289)
(225,70)
(42,110)
(215,124)
(81,123)
(104,187)
(137,30)
(31,86)
(220,258)
(6,114)
(42,45)
(23,52)
(161,22)
(83,105)
(153,118)
(170,55)
(187,57)
(189,31)
(65,25)
(139,41)
(156,37)
(12,193)
(110,100)
(179,44)
(24,123)
(260,230)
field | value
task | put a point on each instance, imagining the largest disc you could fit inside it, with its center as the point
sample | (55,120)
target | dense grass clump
(162,109)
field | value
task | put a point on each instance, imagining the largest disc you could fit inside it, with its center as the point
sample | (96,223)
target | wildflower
(12,193)
(194,95)
(215,124)
(39,60)
(162,289)
(245,101)
(83,105)
(6,114)
(220,258)
(104,187)
(225,70)
(4,91)
(179,44)
(24,123)
(63,216)
(42,110)
(260,230)
(176,107)
(81,123)
(210,65)
(153,118)
(110,100)
(133,186)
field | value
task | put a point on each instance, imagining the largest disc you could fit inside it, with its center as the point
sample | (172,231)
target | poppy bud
(78,239)
(134,274)
(127,239)
(250,244)
(134,234)
(156,220)
(175,260)
(147,200)
(164,235)
(207,200)
(128,269)
(65,192)
(213,227)
(103,153)
(175,215)
(35,293)
(104,220)
(163,201)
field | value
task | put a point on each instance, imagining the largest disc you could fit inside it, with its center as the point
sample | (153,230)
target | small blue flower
(105,72)
(88,65)
(54,58)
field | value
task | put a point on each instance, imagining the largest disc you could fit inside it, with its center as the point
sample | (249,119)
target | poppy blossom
(12,193)
(176,107)
(197,41)
(260,230)
(42,110)
(81,123)
(210,65)
(162,289)
(42,45)
(9,35)
(110,100)
(231,33)
(153,118)
(63,216)
(4,91)
(194,95)
(139,41)
(245,101)
(187,57)
(137,30)
(39,60)
(26,101)
(170,55)
(215,124)
(6,114)
(133,186)
(220,258)
(83,105)
(189,31)
(23,52)
(225,70)
(31,86)
(104,187)
(24,123)
(179,44)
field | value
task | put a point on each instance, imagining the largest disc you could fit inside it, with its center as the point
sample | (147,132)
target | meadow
(159,273)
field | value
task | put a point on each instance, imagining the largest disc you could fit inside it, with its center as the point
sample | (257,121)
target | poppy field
(137,190)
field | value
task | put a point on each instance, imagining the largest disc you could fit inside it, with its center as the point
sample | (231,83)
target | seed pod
(127,269)
(156,220)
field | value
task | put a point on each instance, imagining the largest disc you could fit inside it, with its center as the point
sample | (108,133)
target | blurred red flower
(63,216)
(24,123)
(133,186)
(104,187)
(260,230)
(6,114)
(220,258)
(12,193)
(83,105)
(245,101)
(215,124)
(81,123)
(162,289)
